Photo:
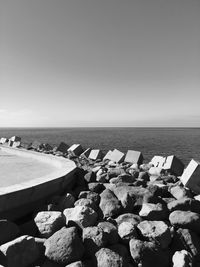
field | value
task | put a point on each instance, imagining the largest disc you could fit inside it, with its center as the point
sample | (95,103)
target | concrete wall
(18,200)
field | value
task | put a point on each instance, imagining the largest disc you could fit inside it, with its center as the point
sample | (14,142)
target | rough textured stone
(127,231)
(148,254)
(21,251)
(66,202)
(151,211)
(157,231)
(90,195)
(8,231)
(185,204)
(105,257)
(76,264)
(90,177)
(48,222)
(180,192)
(81,216)
(65,246)
(86,202)
(48,263)
(182,259)
(110,231)
(123,178)
(109,204)
(96,187)
(94,238)
(128,217)
(185,219)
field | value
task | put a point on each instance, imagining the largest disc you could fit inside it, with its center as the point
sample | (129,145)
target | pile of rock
(119,213)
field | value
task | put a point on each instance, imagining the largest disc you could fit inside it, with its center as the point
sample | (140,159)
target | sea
(182,142)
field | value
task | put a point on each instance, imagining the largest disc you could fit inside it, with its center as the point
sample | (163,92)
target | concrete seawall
(19,199)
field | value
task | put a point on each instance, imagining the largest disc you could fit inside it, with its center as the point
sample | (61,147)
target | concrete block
(117,156)
(10,143)
(86,153)
(133,156)
(15,138)
(63,147)
(108,155)
(76,149)
(36,145)
(3,140)
(191,176)
(96,154)
(158,161)
(174,165)
(16,144)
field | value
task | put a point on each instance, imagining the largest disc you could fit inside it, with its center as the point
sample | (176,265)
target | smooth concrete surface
(33,184)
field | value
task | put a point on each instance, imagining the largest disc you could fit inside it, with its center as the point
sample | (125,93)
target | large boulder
(185,219)
(90,195)
(48,222)
(157,231)
(106,257)
(81,216)
(94,238)
(127,231)
(86,202)
(64,246)
(8,231)
(109,204)
(21,251)
(185,204)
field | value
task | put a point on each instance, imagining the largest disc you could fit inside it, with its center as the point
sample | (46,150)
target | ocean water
(182,142)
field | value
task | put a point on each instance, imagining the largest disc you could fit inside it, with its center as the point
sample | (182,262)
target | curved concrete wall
(17,200)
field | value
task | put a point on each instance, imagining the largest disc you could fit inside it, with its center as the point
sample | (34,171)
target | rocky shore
(118,212)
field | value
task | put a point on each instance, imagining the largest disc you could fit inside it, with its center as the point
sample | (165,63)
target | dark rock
(65,246)
(90,177)
(123,178)
(96,187)
(86,202)
(184,204)
(110,231)
(154,212)
(90,195)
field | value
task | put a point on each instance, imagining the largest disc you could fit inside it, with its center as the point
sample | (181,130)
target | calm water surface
(182,142)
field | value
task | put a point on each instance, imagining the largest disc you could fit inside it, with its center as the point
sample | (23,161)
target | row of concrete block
(14,141)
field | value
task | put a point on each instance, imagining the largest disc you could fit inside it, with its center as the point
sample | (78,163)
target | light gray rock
(21,251)
(128,217)
(157,231)
(182,259)
(86,202)
(64,246)
(127,231)
(180,192)
(48,222)
(81,216)
(105,257)
(151,211)
(90,195)
(185,219)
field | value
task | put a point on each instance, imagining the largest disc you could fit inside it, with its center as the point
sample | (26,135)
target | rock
(184,204)
(21,251)
(156,231)
(148,254)
(123,251)
(154,212)
(143,176)
(48,222)
(8,231)
(90,195)
(86,202)
(96,187)
(94,238)
(109,204)
(185,239)
(190,176)
(122,178)
(81,216)
(112,173)
(64,246)
(90,177)
(128,217)
(133,156)
(66,202)
(48,263)
(105,257)
(185,219)
(127,231)
(180,192)
(155,172)
(182,259)
(110,231)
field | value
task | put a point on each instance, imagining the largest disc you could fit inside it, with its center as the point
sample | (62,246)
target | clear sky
(99,63)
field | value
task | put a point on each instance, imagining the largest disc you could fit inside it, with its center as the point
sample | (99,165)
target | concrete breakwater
(118,211)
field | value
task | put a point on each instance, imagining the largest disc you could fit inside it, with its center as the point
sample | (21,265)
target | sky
(66,63)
